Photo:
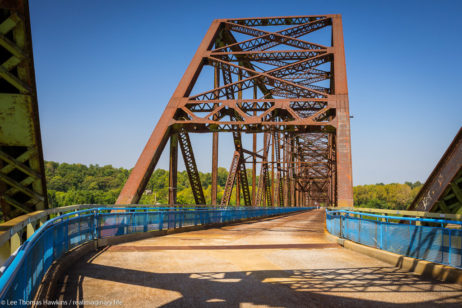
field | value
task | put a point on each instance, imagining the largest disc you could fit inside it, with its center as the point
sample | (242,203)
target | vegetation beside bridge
(80,184)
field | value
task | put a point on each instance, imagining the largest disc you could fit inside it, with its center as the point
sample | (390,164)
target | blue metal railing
(434,240)
(24,270)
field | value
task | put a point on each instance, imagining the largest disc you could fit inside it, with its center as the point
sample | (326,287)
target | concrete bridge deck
(278,262)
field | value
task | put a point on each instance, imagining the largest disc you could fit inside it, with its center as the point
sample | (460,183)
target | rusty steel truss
(442,192)
(270,79)
(22,176)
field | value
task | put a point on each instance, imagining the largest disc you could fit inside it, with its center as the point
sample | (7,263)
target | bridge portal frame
(289,107)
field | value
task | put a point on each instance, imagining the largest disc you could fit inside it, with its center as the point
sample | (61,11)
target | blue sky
(107,68)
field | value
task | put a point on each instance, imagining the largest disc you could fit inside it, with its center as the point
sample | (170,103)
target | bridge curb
(421,267)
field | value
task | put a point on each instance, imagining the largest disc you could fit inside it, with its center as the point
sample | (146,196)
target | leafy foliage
(79,184)
(386,196)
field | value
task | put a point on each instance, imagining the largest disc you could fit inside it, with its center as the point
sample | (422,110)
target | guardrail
(17,230)
(403,213)
(435,240)
(24,270)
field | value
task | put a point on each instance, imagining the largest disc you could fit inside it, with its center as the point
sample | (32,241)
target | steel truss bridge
(271,84)
(279,81)
(277,87)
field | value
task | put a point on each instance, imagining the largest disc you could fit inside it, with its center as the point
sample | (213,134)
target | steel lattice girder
(22,176)
(303,97)
(191,168)
(231,178)
(442,192)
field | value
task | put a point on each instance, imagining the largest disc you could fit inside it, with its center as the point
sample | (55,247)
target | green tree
(79,184)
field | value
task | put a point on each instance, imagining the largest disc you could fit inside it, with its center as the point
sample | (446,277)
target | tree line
(80,184)
(393,196)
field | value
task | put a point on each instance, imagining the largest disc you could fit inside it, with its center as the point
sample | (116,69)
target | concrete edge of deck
(421,267)
(48,287)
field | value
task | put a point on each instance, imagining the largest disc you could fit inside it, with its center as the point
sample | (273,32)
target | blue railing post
(442,243)
(346,221)
(450,247)
(80,222)
(146,220)
(93,225)
(133,224)
(381,233)
(66,235)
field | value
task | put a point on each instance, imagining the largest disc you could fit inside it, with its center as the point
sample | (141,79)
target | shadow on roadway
(280,288)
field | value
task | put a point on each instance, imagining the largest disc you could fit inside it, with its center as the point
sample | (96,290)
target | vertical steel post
(292,183)
(343,148)
(238,181)
(284,168)
(214,189)
(254,159)
(273,192)
(238,195)
(216,83)
(173,169)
